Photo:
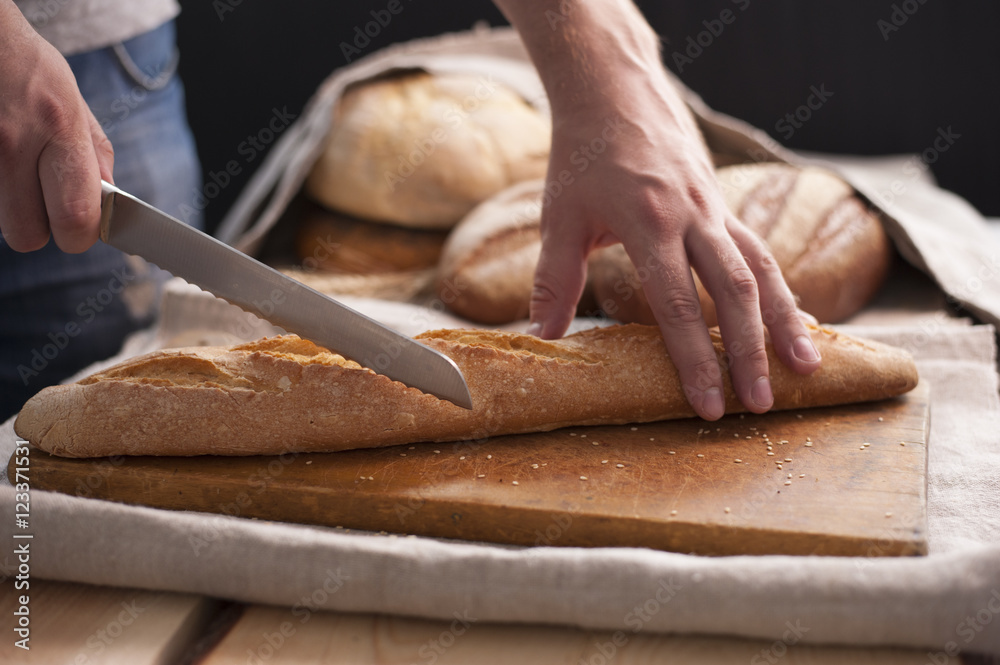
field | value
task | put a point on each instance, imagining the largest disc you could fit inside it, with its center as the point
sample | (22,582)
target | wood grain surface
(74,623)
(845,481)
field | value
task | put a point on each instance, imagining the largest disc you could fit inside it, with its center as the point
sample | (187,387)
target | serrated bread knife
(138,228)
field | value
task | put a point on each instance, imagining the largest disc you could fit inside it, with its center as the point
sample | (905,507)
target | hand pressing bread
(286,394)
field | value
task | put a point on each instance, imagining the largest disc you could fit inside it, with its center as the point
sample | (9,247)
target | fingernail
(804,349)
(761,393)
(534,329)
(712,404)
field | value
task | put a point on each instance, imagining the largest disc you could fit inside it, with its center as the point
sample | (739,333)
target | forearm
(596,57)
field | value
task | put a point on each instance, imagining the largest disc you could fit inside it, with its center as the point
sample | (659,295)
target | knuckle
(702,374)
(681,307)
(740,285)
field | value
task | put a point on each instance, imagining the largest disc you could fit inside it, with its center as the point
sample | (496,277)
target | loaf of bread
(487,265)
(332,242)
(285,394)
(422,150)
(830,245)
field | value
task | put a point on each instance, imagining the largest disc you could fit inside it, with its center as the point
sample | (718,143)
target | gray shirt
(76,26)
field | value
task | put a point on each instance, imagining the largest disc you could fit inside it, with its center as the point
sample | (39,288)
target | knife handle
(108,192)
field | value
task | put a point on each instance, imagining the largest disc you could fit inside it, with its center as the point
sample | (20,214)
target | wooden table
(89,625)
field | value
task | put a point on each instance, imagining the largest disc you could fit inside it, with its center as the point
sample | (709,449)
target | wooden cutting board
(847,481)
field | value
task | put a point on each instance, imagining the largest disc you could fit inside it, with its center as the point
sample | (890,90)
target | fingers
(559,280)
(728,278)
(674,301)
(71,184)
(23,221)
(785,322)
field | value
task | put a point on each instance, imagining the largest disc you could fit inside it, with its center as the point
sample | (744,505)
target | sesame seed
(802,475)
(371,477)
(727,509)
(738,461)
(572,433)
(902,443)
(583,477)
(671,453)
(788,482)
(736,436)
(620,466)
(888,514)
(604,461)
(514,483)
(749,437)
(771,454)
(779,466)
(437,452)
(809,444)
(635,429)
(798,415)
(489,457)
(412,448)
(482,475)
(753,429)
(402,454)
(583,436)
(462,457)
(595,443)
(789,475)
(788,459)
(861,447)
(652,439)
(700,455)
(534,466)
(881,419)
(673,512)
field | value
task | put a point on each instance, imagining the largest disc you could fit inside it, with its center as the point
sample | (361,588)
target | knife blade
(136,227)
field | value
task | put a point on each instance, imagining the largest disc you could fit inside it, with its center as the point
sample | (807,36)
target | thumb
(559,281)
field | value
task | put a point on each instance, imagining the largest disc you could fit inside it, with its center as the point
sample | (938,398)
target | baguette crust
(286,394)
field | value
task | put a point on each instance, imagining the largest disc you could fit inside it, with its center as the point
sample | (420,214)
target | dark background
(938,70)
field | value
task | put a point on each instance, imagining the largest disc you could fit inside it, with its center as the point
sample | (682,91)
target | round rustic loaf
(488,263)
(422,150)
(830,245)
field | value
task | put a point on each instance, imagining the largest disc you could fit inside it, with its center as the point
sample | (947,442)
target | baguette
(285,394)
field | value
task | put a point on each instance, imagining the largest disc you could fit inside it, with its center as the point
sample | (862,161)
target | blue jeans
(61,312)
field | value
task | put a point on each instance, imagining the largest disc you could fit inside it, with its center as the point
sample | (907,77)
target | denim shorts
(61,312)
